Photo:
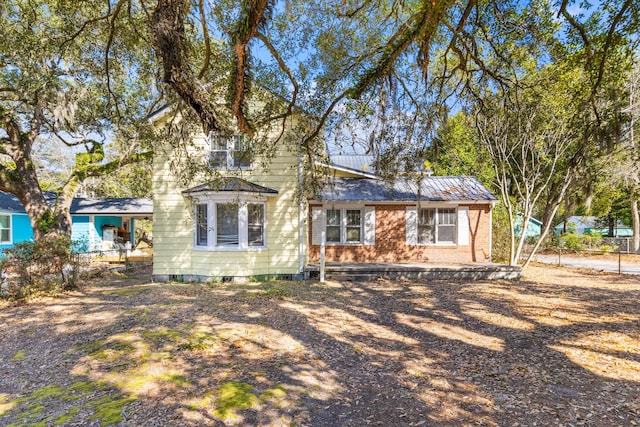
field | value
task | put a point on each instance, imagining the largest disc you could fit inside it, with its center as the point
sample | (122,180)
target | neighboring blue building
(97,223)
(534,228)
(586,224)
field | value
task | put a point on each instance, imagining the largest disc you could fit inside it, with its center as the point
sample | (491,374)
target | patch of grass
(199,341)
(18,356)
(108,410)
(65,418)
(278,392)
(233,395)
(162,334)
(92,347)
(6,406)
(47,392)
(201,404)
(143,377)
(278,292)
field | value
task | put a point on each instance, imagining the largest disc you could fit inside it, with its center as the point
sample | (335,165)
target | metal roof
(114,206)
(358,162)
(432,188)
(230,184)
(86,206)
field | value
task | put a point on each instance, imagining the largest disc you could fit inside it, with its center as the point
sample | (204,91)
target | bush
(35,268)
(572,242)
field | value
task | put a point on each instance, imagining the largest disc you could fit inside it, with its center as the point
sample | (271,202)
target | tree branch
(254,16)
(169,41)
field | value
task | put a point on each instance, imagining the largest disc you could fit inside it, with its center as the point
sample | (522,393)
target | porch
(415,271)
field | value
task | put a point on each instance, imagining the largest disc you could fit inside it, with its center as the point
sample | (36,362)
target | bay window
(224,225)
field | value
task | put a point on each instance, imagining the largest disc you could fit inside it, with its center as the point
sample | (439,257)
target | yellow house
(250,222)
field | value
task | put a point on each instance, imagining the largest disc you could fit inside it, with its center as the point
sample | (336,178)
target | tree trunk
(635,223)
(612,225)
(26,187)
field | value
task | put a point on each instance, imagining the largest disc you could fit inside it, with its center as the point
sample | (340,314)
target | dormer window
(229,152)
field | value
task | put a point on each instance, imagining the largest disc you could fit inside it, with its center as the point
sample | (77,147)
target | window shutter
(316,225)
(412,225)
(463,226)
(369,225)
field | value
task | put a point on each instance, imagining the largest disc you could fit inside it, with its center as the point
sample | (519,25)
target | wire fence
(580,243)
(614,254)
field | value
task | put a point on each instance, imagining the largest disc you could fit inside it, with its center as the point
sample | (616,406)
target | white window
(5,229)
(229,152)
(343,226)
(229,225)
(255,224)
(436,225)
(201,224)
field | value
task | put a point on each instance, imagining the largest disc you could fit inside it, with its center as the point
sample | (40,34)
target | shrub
(33,268)
(572,242)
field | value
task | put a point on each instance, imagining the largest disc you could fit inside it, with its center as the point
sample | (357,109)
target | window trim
(212,203)
(10,228)
(437,225)
(343,225)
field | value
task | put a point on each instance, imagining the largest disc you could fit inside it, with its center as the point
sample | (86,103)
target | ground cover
(560,347)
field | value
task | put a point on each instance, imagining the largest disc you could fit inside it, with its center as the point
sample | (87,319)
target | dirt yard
(560,347)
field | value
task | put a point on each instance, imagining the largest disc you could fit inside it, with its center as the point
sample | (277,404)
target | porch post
(322,241)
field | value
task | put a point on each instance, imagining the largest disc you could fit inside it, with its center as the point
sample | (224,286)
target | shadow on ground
(555,348)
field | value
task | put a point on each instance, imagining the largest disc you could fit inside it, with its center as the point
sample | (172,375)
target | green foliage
(47,221)
(33,268)
(500,238)
(457,151)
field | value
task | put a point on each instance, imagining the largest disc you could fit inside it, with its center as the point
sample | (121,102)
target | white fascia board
(159,114)
(348,170)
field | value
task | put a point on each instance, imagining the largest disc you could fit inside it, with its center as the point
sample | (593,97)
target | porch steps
(416,271)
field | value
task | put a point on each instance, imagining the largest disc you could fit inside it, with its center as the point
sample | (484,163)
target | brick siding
(391,245)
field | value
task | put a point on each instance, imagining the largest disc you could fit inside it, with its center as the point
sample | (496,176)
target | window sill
(228,249)
(344,244)
(231,169)
(438,245)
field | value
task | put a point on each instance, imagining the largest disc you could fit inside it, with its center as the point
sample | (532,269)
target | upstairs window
(229,152)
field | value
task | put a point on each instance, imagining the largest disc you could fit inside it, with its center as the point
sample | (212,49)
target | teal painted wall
(99,221)
(20,229)
(81,231)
